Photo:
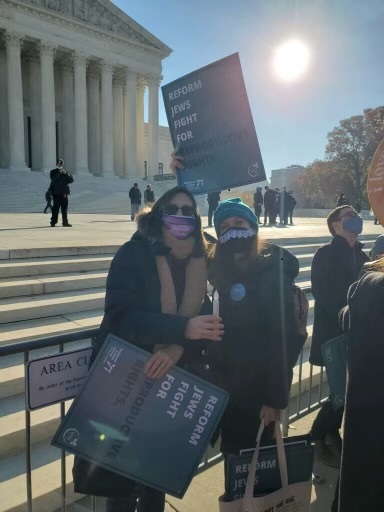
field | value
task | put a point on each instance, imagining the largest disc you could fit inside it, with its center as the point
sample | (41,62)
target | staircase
(52,291)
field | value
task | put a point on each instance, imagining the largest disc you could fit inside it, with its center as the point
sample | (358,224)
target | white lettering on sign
(186,89)
(203,421)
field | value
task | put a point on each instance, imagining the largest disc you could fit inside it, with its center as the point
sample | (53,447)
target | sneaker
(67,225)
(325,454)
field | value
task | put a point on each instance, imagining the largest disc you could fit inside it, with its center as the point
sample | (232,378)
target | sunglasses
(172,209)
(347,215)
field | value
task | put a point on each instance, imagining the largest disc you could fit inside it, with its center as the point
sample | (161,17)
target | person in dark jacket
(335,267)
(341,200)
(284,206)
(362,475)
(149,196)
(258,202)
(213,199)
(156,290)
(291,203)
(263,335)
(269,206)
(135,197)
(60,181)
(48,198)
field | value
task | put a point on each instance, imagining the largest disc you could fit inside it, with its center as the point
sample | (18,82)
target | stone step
(41,327)
(17,286)
(46,478)
(54,265)
(50,252)
(42,306)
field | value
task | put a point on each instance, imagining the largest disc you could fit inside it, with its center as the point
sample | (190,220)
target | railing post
(28,464)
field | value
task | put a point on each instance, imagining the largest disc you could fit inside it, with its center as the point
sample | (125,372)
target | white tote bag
(290,498)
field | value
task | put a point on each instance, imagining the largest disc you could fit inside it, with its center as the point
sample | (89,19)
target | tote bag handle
(248,495)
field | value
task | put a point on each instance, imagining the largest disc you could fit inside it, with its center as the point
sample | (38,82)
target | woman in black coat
(265,327)
(156,291)
(362,474)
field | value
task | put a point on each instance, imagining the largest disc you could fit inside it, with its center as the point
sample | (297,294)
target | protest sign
(153,431)
(375,183)
(211,127)
(52,379)
(299,454)
(334,354)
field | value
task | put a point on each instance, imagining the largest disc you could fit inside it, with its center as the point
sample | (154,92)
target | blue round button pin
(237,292)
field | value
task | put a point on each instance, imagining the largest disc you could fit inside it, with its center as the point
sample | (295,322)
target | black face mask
(237,240)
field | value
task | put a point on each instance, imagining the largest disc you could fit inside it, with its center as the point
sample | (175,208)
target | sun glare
(291,60)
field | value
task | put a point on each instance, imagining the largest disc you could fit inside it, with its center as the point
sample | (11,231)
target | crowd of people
(156,297)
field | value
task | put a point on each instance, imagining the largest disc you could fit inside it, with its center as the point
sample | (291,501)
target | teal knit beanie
(234,208)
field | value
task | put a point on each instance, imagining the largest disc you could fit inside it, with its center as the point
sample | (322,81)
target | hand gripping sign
(375,183)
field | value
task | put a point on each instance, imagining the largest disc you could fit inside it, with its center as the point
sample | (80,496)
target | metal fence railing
(308,390)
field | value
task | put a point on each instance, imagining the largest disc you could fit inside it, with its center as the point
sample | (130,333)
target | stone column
(94,139)
(130,135)
(15,103)
(153,126)
(106,120)
(141,84)
(68,114)
(33,57)
(81,134)
(118,127)
(48,113)
(4,124)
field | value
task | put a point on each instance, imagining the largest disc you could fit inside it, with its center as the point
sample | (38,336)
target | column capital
(46,48)
(119,77)
(142,82)
(107,68)
(80,59)
(93,71)
(14,39)
(154,81)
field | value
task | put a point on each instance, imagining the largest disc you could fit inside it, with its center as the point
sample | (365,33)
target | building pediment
(102,15)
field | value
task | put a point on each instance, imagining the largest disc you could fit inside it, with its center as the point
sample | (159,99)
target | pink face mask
(179,226)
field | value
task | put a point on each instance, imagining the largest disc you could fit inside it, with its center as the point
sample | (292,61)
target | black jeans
(328,421)
(59,201)
(149,500)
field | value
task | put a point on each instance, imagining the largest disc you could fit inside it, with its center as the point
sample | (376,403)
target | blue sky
(346,75)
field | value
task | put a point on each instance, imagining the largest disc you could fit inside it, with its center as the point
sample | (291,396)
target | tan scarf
(195,278)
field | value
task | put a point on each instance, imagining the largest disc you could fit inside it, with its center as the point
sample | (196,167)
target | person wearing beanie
(264,319)
(377,250)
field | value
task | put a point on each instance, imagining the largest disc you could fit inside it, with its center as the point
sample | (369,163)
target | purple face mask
(179,226)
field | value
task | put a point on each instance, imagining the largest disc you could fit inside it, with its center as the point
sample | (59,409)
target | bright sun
(291,60)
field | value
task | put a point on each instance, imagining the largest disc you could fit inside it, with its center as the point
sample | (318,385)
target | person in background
(376,221)
(361,475)
(60,181)
(291,205)
(156,298)
(341,200)
(377,249)
(264,319)
(335,267)
(149,196)
(48,198)
(135,197)
(269,206)
(258,202)
(213,199)
(277,205)
(284,205)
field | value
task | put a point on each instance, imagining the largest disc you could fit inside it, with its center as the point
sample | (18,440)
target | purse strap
(248,495)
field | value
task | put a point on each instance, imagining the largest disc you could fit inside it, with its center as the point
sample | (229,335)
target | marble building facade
(72,79)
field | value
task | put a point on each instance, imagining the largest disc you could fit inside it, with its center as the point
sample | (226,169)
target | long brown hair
(223,268)
(374,266)
(151,226)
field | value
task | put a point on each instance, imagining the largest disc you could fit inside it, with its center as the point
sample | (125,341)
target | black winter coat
(335,267)
(60,181)
(260,346)
(362,475)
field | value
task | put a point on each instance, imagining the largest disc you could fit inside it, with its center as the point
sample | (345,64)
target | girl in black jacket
(265,325)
